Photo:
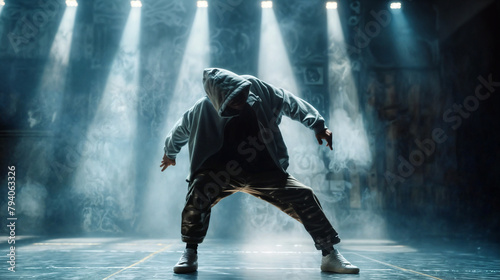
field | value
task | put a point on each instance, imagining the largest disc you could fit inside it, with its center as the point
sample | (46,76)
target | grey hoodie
(202,126)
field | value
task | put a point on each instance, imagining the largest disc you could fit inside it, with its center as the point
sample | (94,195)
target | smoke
(30,203)
(350,142)
(346,121)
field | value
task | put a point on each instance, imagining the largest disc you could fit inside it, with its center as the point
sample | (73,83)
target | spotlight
(395,5)
(70,3)
(136,4)
(202,4)
(331,5)
(266,4)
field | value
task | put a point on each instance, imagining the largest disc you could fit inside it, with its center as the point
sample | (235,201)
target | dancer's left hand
(327,135)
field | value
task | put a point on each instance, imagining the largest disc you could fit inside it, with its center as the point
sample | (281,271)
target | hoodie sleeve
(286,103)
(300,110)
(290,105)
(179,135)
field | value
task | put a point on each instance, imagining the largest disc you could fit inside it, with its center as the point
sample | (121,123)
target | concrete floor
(132,258)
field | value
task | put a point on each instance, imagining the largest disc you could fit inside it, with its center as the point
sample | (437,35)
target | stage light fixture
(2,3)
(136,4)
(202,4)
(395,5)
(71,3)
(266,4)
(331,5)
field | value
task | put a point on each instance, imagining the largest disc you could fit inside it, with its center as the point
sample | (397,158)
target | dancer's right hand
(166,162)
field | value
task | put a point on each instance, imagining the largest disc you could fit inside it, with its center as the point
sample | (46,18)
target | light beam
(53,81)
(105,179)
(404,37)
(274,65)
(162,198)
(350,140)
(276,69)
(43,110)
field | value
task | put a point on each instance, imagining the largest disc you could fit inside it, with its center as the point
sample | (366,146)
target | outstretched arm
(176,139)
(300,110)
(295,108)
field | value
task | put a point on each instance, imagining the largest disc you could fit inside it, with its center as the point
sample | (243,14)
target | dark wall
(469,58)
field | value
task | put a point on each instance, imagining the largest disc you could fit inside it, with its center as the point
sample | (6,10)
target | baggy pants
(282,190)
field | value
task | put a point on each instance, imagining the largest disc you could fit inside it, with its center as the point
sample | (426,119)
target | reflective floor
(132,258)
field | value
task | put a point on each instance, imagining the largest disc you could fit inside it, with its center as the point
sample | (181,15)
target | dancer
(235,144)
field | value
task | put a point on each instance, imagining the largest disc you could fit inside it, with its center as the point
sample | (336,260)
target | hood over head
(221,87)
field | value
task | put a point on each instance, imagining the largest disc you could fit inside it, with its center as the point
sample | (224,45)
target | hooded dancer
(235,145)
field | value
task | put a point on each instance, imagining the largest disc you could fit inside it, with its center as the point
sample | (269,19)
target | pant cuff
(191,239)
(327,243)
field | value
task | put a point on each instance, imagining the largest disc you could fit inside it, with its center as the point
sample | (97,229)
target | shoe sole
(183,270)
(350,271)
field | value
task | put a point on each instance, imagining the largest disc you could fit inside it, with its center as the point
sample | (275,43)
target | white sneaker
(188,262)
(335,262)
